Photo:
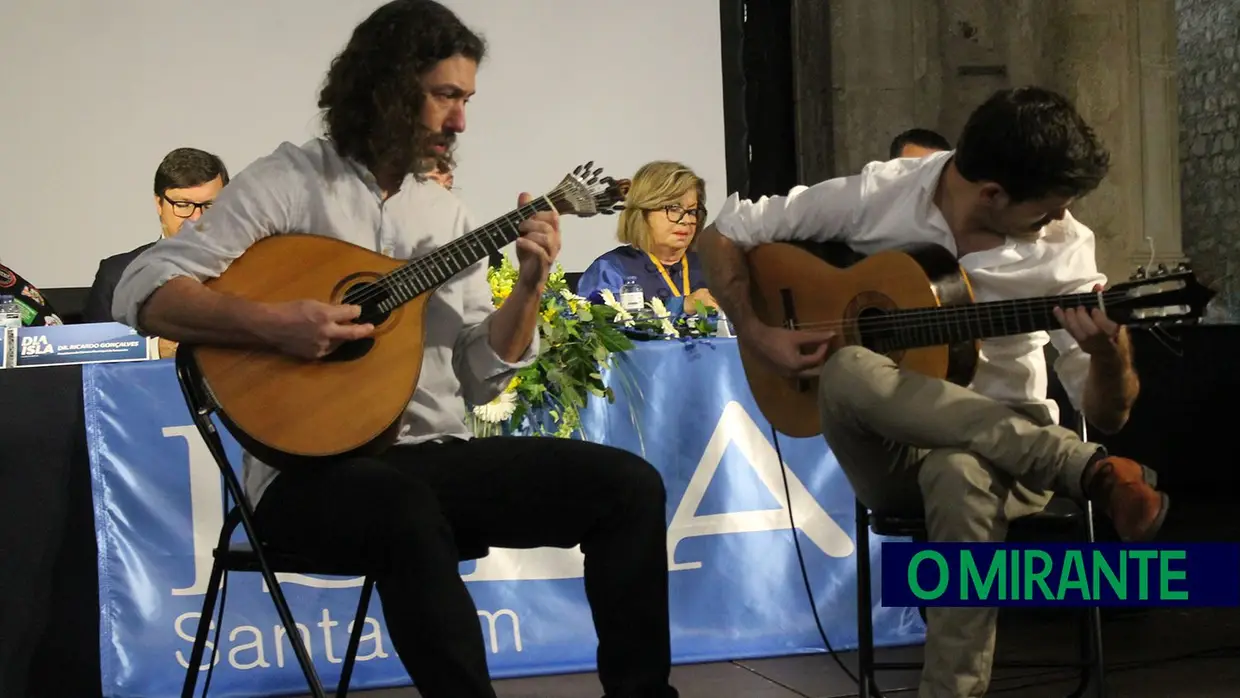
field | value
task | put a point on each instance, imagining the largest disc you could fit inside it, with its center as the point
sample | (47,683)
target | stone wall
(1209,78)
(896,64)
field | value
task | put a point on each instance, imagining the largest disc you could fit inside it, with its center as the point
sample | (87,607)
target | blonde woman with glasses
(663,213)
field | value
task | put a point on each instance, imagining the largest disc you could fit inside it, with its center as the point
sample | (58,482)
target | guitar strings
(431,261)
(923,317)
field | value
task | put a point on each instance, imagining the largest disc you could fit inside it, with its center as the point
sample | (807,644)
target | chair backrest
(1069,416)
(201,408)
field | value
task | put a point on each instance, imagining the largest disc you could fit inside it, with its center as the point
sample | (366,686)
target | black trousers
(403,515)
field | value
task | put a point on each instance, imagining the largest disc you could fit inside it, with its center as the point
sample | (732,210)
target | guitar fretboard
(428,272)
(926,327)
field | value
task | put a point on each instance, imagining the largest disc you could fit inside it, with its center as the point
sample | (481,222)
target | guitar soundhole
(350,351)
(870,327)
(373,299)
(872,334)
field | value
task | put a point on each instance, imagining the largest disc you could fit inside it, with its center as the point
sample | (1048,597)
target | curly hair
(373,97)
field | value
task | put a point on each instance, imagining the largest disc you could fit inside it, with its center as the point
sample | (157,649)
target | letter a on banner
(736,427)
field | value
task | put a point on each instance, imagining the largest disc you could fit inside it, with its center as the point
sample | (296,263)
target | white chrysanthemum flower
(661,313)
(622,315)
(498,410)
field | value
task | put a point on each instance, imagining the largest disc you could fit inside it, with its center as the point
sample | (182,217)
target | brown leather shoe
(1125,490)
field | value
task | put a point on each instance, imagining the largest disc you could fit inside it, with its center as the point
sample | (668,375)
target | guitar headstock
(1159,297)
(584,193)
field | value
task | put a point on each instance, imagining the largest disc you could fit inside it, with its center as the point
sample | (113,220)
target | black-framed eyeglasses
(185,209)
(676,213)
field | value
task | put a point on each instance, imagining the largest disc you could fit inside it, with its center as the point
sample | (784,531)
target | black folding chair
(254,556)
(1060,516)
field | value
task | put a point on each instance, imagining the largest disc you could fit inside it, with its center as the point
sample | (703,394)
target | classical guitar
(915,305)
(286,410)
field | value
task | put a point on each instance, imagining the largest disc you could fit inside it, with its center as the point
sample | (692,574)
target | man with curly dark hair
(394,103)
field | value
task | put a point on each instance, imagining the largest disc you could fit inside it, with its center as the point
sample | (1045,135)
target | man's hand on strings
(537,247)
(310,329)
(1097,334)
(791,352)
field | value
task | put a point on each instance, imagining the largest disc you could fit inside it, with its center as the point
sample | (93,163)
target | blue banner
(736,587)
(1062,574)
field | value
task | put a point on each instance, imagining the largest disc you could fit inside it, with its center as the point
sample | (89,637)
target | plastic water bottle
(723,328)
(632,298)
(10,313)
(10,323)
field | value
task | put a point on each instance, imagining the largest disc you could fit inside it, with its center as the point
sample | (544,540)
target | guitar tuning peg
(1162,270)
(1140,273)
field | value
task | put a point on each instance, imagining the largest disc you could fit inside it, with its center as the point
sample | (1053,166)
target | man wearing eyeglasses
(186,183)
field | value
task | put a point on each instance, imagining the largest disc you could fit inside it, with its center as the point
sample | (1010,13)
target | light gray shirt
(312,188)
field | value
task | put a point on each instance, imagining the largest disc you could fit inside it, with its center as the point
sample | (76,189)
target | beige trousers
(910,444)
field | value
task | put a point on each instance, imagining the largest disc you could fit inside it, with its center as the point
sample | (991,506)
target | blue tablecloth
(736,587)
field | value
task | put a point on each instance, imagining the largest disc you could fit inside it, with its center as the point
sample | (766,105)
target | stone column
(1160,135)
(896,64)
(877,62)
(1116,61)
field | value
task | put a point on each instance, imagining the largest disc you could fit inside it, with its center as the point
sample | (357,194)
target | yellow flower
(549,314)
(500,288)
(513,384)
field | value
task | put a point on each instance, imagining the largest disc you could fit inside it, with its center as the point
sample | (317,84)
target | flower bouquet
(578,340)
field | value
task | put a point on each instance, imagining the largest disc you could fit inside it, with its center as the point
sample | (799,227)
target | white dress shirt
(312,188)
(892,203)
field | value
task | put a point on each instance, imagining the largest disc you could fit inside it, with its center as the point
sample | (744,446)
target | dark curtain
(759,117)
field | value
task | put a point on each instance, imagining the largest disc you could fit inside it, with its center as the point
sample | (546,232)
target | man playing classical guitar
(971,458)
(393,103)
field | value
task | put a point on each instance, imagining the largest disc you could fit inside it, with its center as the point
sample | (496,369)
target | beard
(428,157)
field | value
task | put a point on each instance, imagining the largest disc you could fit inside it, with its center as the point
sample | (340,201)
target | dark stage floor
(1150,654)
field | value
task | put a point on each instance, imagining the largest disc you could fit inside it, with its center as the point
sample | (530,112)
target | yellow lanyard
(684,268)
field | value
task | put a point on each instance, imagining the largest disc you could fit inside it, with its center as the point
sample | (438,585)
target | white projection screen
(95,93)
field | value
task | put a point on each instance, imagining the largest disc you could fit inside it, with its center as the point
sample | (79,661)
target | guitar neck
(925,327)
(430,271)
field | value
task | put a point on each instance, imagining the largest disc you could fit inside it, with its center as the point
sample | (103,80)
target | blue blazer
(609,271)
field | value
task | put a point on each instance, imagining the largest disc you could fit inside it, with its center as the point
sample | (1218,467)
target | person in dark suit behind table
(186,183)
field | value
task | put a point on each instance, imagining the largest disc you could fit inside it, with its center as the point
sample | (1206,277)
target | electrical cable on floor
(809,589)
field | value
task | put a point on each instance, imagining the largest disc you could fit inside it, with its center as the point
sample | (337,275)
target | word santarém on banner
(250,648)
